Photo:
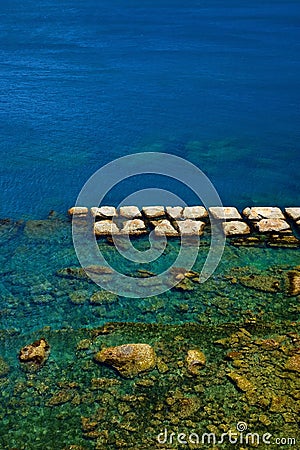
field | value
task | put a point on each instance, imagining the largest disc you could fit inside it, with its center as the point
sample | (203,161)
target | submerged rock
(195,360)
(33,356)
(264,283)
(293,363)
(78,297)
(294,282)
(249,241)
(283,241)
(241,382)
(72,272)
(129,360)
(4,368)
(103,298)
(81,273)
(44,229)
(61,397)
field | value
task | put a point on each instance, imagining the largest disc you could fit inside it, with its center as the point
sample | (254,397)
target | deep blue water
(83,82)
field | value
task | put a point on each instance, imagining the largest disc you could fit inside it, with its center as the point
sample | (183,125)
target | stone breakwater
(175,221)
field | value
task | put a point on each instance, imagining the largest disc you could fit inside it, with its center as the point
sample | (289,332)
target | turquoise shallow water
(35,293)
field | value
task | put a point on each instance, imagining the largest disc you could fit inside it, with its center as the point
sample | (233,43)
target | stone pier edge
(175,221)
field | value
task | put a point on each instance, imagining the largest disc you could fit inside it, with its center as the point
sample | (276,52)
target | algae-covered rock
(4,367)
(195,360)
(264,283)
(44,229)
(241,382)
(294,282)
(293,363)
(78,297)
(72,272)
(185,406)
(248,241)
(103,298)
(129,360)
(81,273)
(283,241)
(61,397)
(33,356)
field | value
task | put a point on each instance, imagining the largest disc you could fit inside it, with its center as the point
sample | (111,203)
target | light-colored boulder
(175,212)
(130,212)
(129,360)
(104,212)
(194,212)
(190,227)
(195,360)
(272,225)
(293,213)
(105,228)
(225,213)
(235,228)
(263,212)
(134,227)
(78,211)
(164,228)
(153,212)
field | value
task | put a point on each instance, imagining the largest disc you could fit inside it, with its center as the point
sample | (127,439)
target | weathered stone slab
(78,211)
(130,212)
(235,228)
(175,212)
(263,212)
(293,213)
(194,212)
(225,213)
(134,227)
(105,228)
(153,212)
(104,212)
(164,228)
(272,225)
(190,227)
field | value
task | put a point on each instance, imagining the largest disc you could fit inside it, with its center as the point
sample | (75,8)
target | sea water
(85,82)
(82,83)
